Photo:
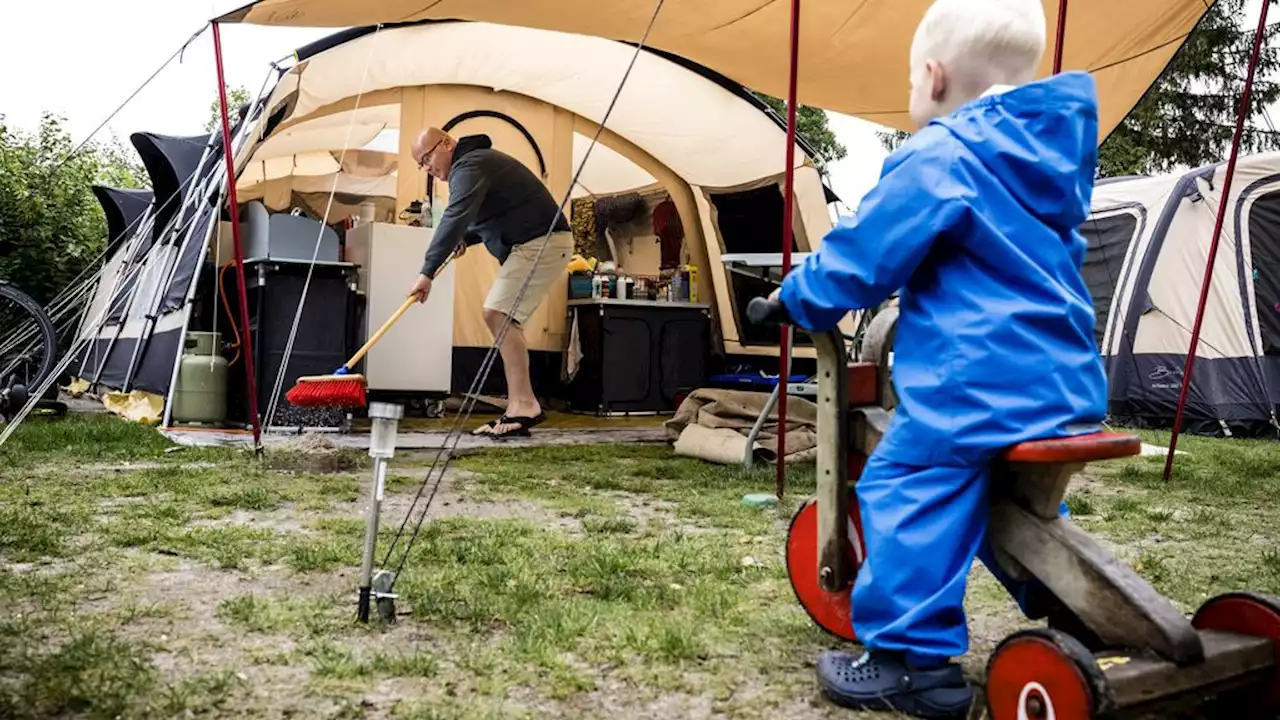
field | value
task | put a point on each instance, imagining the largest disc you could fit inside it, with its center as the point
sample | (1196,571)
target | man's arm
(861,263)
(467,188)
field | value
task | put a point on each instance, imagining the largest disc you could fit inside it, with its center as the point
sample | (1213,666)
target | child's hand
(773,296)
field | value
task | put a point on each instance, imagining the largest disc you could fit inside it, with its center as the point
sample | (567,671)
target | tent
(1148,247)
(852,59)
(341,119)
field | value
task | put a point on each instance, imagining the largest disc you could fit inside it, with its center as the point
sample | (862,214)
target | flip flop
(524,423)
(502,420)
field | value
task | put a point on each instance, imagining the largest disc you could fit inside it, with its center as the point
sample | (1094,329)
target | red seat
(1077,449)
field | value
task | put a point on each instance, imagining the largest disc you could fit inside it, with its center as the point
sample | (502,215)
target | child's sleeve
(920,196)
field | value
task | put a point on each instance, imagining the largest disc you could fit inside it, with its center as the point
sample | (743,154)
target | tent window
(751,222)
(1108,237)
(1264,243)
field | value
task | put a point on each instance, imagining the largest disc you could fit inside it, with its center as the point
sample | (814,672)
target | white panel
(416,354)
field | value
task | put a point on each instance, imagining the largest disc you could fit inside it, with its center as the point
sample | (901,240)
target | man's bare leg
(521,402)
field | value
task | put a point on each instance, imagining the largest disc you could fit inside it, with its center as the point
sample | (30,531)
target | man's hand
(421,289)
(460,250)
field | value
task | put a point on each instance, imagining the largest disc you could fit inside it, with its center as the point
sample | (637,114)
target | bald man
(495,199)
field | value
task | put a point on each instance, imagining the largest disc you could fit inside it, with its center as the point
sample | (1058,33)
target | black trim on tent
(1108,240)
(1272,277)
(175,295)
(472,114)
(312,49)
(122,208)
(155,368)
(170,161)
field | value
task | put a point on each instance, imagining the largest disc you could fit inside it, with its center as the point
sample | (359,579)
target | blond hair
(982,43)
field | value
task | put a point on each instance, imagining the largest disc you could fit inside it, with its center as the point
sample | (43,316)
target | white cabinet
(416,354)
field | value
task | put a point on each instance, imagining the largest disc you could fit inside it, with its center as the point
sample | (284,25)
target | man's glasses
(422,159)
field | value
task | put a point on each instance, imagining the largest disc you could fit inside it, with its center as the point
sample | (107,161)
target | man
(495,199)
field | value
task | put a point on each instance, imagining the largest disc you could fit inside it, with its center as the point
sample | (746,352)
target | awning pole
(234,207)
(1062,36)
(1217,235)
(788,194)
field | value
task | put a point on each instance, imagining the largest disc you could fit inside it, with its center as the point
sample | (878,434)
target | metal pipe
(234,208)
(1217,236)
(382,447)
(1062,36)
(788,194)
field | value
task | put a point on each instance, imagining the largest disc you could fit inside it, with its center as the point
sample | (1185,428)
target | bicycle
(28,348)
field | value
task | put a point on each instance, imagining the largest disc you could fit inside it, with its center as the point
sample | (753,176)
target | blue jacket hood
(1040,140)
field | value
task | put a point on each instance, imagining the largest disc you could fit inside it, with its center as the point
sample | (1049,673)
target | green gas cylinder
(201,394)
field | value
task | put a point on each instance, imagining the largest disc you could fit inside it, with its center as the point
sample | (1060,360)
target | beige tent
(853,55)
(677,130)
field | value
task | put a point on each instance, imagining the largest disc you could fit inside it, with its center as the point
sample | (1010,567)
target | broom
(342,389)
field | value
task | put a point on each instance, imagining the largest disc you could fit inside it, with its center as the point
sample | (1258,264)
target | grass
(144,581)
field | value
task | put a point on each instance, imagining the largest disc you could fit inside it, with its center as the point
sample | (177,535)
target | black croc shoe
(883,681)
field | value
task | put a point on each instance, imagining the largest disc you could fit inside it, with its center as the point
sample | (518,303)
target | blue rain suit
(974,222)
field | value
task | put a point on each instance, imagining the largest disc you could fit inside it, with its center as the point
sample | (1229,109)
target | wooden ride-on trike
(1144,655)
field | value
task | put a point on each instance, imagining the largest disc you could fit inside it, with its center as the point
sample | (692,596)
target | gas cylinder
(201,394)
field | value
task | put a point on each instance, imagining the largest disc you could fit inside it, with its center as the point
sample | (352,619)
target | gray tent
(1148,247)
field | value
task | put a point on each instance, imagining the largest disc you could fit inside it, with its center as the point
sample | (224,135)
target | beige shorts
(519,265)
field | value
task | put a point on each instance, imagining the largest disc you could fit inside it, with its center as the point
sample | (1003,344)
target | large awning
(853,53)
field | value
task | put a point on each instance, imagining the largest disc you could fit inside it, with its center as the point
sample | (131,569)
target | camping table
(766,266)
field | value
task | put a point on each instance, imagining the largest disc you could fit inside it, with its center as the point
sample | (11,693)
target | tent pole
(1062,36)
(788,195)
(1217,235)
(234,208)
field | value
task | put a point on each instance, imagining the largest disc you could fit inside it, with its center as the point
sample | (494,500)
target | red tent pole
(1217,235)
(1062,36)
(251,384)
(788,195)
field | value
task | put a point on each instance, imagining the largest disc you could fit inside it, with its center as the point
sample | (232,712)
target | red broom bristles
(336,391)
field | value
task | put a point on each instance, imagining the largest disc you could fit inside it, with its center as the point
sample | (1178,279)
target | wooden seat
(1078,449)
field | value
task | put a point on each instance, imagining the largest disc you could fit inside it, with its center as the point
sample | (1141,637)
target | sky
(45,70)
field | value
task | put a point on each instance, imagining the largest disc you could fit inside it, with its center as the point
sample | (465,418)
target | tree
(1188,116)
(51,225)
(237,97)
(811,124)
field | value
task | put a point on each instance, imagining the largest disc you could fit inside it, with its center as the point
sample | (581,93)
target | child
(974,219)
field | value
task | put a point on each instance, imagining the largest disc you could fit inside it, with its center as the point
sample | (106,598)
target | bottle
(424,216)
(693,283)
(596,289)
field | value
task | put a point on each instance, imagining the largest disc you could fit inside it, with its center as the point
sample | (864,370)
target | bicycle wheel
(28,341)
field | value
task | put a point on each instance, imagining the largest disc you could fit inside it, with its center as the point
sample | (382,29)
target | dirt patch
(313,452)
(452,501)
(284,520)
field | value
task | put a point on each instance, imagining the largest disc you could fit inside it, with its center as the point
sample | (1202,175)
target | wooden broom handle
(404,308)
(408,303)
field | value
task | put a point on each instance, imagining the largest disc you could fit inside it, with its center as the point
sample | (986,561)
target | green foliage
(811,124)
(1188,117)
(51,226)
(237,97)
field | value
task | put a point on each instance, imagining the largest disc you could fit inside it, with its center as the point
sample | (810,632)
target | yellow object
(693,283)
(78,387)
(138,406)
(578,264)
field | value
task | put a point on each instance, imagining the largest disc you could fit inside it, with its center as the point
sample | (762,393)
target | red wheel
(1246,614)
(831,611)
(1043,675)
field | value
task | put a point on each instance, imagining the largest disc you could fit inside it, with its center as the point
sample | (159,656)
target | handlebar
(763,311)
